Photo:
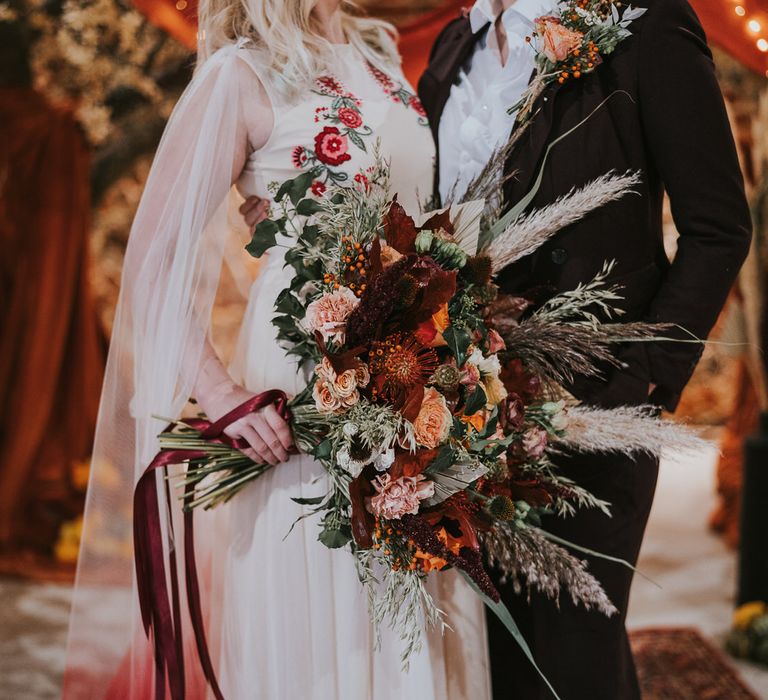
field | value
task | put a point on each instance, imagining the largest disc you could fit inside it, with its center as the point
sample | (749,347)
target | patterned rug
(679,664)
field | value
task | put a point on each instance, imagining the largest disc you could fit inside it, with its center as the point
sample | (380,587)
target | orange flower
(476,420)
(557,41)
(430,332)
(429,562)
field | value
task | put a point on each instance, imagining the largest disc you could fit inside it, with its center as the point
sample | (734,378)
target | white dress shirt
(475,121)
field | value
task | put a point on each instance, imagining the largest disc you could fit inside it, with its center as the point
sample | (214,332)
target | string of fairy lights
(754,27)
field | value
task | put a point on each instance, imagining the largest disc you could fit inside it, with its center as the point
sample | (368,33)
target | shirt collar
(486,12)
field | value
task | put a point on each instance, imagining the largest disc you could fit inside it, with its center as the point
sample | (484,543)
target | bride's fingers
(279,426)
(259,445)
(268,434)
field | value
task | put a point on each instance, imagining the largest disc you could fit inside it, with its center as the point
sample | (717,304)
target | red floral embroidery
(332,147)
(417,107)
(350,117)
(363,181)
(330,84)
(318,188)
(398,92)
(299,157)
(382,78)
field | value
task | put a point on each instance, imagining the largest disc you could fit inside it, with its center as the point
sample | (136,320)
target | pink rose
(557,41)
(329,313)
(396,497)
(433,424)
(535,442)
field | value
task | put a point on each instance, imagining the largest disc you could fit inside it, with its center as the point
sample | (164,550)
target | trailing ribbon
(160,616)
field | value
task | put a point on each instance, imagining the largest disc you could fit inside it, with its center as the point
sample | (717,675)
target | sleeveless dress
(295,622)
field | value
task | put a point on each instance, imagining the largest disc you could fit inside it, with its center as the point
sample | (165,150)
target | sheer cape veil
(170,278)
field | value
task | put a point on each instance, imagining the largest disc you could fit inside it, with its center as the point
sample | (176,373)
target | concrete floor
(694,570)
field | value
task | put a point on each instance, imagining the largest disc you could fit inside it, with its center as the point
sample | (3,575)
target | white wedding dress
(286,617)
(306,633)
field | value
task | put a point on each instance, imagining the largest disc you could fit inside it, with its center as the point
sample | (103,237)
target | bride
(281,86)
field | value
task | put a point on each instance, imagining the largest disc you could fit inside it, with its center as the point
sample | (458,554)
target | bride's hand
(254,211)
(266,432)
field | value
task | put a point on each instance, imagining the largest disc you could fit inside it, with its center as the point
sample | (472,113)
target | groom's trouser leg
(585,655)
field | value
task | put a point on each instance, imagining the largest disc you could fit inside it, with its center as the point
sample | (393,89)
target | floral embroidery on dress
(398,92)
(332,143)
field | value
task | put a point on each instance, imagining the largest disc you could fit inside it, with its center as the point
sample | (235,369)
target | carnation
(330,312)
(397,497)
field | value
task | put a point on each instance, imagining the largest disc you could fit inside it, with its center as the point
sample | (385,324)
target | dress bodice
(336,126)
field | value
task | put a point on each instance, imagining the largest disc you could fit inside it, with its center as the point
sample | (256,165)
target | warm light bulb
(739,10)
(181,5)
(762,44)
(753,25)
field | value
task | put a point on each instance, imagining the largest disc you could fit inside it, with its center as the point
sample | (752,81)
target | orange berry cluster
(383,541)
(354,260)
(583,60)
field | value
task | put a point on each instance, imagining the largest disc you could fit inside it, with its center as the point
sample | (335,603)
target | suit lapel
(444,69)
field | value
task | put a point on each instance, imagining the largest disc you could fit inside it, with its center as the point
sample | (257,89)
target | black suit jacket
(662,113)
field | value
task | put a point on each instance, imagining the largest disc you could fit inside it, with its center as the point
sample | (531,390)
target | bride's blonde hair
(288,32)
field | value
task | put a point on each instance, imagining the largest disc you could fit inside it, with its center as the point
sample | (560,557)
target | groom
(665,117)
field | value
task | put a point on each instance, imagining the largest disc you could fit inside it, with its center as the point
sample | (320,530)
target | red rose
(299,157)
(350,117)
(318,188)
(331,146)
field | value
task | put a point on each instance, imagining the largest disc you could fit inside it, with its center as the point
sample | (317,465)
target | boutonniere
(572,42)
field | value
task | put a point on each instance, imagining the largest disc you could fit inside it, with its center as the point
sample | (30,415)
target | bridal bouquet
(434,402)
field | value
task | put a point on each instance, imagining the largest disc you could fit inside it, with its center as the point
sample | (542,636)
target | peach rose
(557,41)
(330,312)
(433,424)
(396,497)
(345,384)
(334,392)
(325,400)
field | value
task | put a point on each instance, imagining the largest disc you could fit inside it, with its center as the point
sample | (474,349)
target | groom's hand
(254,210)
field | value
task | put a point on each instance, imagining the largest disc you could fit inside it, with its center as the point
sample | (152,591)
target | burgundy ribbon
(160,616)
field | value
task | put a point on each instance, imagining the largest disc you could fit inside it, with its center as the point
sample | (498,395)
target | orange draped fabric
(51,349)
(723,25)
